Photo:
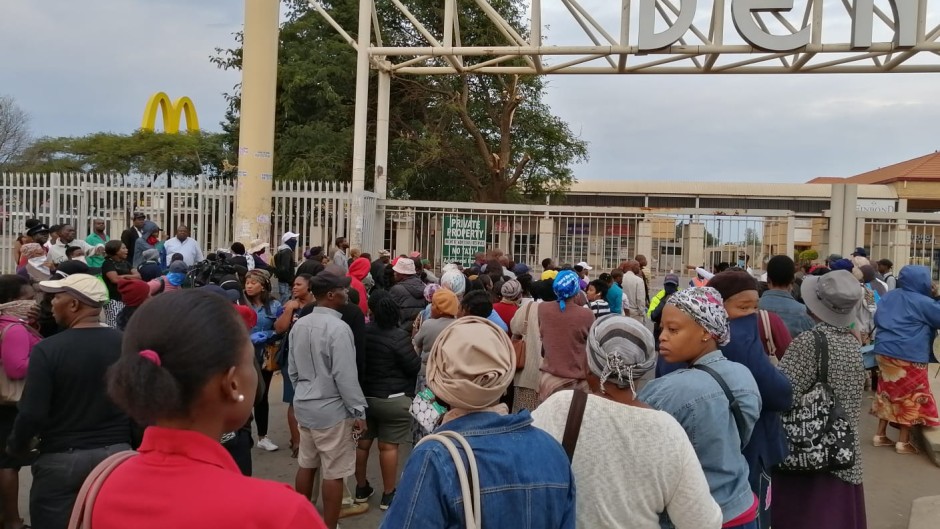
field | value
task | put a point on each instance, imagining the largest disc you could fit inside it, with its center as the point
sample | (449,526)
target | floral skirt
(904,395)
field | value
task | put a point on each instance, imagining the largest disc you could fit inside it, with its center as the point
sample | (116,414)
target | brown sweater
(564,336)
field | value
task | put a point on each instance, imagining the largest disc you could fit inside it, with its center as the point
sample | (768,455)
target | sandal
(882,440)
(906,448)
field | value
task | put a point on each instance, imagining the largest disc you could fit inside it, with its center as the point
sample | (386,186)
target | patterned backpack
(819,434)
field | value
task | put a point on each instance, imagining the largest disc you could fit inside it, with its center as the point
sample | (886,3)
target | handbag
(469,488)
(819,435)
(85,501)
(868,356)
(271,351)
(518,343)
(11,391)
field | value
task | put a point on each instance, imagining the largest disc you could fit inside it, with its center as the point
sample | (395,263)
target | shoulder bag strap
(822,356)
(768,333)
(732,402)
(573,424)
(85,501)
(469,486)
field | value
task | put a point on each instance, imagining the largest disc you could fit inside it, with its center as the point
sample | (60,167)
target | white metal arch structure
(642,37)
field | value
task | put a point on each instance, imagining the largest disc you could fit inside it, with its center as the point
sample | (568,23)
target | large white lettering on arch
(743,13)
(905,23)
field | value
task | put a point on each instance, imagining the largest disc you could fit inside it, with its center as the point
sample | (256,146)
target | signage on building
(876,206)
(464,236)
(745,15)
(577,228)
(623,230)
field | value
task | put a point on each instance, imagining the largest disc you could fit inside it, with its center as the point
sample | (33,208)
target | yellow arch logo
(172,113)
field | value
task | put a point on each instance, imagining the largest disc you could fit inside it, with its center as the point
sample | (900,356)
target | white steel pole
(361,123)
(256,129)
(381,135)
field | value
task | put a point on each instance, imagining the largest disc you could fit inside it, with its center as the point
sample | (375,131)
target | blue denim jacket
(792,312)
(525,478)
(696,400)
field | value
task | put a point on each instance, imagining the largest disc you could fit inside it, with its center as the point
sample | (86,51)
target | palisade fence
(318,211)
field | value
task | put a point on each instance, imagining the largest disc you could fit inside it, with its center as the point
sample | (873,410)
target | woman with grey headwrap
(619,430)
(715,400)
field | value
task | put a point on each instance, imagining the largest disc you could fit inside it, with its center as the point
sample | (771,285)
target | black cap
(138,215)
(38,228)
(860,252)
(326,281)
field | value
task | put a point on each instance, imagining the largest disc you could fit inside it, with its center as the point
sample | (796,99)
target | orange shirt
(184,479)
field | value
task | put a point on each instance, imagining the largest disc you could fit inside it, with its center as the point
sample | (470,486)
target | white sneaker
(265,444)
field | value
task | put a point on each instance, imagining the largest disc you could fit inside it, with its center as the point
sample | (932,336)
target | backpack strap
(573,424)
(732,401)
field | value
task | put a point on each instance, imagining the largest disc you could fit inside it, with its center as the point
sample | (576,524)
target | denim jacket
(792,312)
(525,478)
(696,400)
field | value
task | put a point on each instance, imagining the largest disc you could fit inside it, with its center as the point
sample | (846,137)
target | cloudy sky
(81,67)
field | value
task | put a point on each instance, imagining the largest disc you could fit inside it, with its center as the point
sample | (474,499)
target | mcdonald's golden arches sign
(173,112)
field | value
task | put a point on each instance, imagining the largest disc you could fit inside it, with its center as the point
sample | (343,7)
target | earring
(241,398)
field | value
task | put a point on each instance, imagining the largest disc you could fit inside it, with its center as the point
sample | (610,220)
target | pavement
(892,481)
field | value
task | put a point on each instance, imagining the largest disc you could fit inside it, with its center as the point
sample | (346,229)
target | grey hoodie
(141,245)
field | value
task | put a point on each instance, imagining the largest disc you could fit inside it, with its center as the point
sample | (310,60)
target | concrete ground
(892,481)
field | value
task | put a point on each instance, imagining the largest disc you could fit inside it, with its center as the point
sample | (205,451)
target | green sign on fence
(463,237)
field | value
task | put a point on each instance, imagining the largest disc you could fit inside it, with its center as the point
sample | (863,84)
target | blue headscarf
(566,285)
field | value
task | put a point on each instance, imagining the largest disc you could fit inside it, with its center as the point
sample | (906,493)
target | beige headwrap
(471,364)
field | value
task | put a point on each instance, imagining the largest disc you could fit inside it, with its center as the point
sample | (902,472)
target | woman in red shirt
(187,368)
(511,293)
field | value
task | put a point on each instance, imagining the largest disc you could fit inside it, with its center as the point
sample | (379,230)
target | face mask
(80,258)
(37,262)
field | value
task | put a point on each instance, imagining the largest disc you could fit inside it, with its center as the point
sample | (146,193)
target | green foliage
(469,137)
(807,256)
(141,152)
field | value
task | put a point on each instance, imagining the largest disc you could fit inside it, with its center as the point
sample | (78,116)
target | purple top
(18,341)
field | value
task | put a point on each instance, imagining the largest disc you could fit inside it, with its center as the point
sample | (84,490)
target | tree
(465,137)
(14,131)
(751,237)
(141,152)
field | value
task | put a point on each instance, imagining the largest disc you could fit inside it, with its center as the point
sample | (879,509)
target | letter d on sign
(648,39)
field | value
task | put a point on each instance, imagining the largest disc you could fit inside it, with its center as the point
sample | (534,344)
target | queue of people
(518,391)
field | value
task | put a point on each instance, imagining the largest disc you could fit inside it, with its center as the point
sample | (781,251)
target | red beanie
(134,292)
(248,314)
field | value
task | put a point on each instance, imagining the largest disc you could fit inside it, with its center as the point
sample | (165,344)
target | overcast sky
(81,67)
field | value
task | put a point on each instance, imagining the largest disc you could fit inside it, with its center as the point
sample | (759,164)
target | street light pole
(255,181)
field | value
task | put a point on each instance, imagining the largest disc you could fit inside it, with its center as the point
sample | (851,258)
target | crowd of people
(523,392)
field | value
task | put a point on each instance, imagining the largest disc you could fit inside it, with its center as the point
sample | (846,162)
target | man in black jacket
(378,270)
(130,235)
(65,403)
(284,265)
(408,291)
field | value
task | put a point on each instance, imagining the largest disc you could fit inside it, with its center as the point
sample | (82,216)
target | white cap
(288,236)
(584,265)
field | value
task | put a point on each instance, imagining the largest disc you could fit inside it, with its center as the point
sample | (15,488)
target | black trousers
(240,448)
(57,477)
(261,407)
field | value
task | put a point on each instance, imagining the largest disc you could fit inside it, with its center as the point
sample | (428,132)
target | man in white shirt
(340,258)
(634,289)
(67,239)
(184,245)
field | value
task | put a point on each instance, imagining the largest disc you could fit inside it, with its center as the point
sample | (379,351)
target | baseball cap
(289,235)
(138,215)
(584,265)
(860,252)
(671,278)
(86,288)
(326,281)
(38,228)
